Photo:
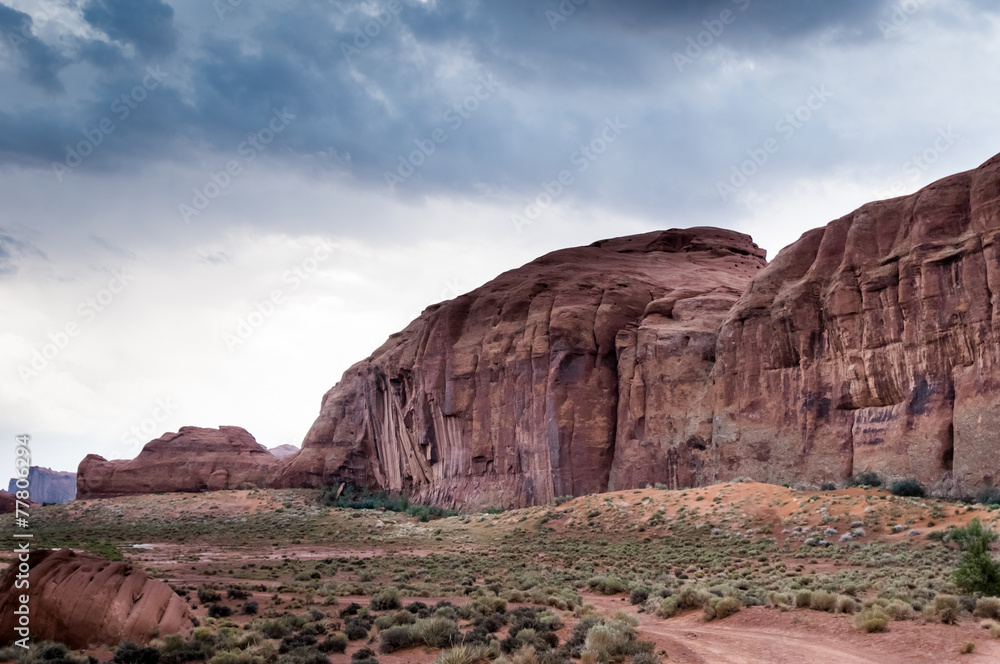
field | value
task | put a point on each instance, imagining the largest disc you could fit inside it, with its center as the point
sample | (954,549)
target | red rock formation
(8,502)
(872,344)
(84,601)
(509,395)
(193,459)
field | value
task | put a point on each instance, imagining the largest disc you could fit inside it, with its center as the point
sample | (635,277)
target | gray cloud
(39,63)
(146,24)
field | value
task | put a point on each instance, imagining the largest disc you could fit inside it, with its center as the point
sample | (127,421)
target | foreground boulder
(193,459)
(48,486)
(872,344)
(84,601)
(509,395)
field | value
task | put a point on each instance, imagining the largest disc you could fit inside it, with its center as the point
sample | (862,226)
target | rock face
(509,395)
(8,503)
(872,344)
(49,486)
(282,451)
(84,601)
(193,459)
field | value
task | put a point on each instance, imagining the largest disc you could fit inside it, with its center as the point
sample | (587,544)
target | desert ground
(731,573)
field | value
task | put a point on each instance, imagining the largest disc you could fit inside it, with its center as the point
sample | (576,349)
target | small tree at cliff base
(977,571)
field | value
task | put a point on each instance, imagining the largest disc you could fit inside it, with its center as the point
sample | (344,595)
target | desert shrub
(607,585)
(236,593)
(667,608)
(638,595)
(828,486)
(219,611)
(803,599)
(866,478)
(872,619)
(435,632)
(823,601)
(944,609)
(350,610)
(645,658)
(393,619)
(988,496)
(275,629)
(393,639)
(336,642)
(466,654)
(720,608)
(293,641)
(357,628)
(897,609)
(846,604)
(977,572)
(131,653)
(387,600)
(987,607)
(304,656)
(250,608)
(364,656)
(908,488)
(207,595)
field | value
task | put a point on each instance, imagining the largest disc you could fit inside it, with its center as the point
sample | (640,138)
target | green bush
(336,642)
(908,488)
(130,653)
(207,595)
(866,478)
(988,496)
(977,572)
(435,632)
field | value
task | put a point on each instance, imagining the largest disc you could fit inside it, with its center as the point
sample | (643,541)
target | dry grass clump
(872,619)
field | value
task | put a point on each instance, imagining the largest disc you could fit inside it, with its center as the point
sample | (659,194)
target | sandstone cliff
(872,344)
(84,601)
(193,459)
(509,395)
(49,486)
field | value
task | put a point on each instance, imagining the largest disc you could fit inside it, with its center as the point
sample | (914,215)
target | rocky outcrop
(193,459)
(48,486)
(84,601)
(872,344)
(8,503)
(509,395)
(282,451)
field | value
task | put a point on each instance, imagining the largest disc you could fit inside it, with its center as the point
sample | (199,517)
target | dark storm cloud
(146,24)
(39,63)
(562,70)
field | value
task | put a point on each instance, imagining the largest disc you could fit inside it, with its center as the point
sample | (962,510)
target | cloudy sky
(209,210)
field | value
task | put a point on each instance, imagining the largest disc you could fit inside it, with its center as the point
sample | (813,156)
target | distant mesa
(281,451)
(48,486)
(193,459)
(84,601)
